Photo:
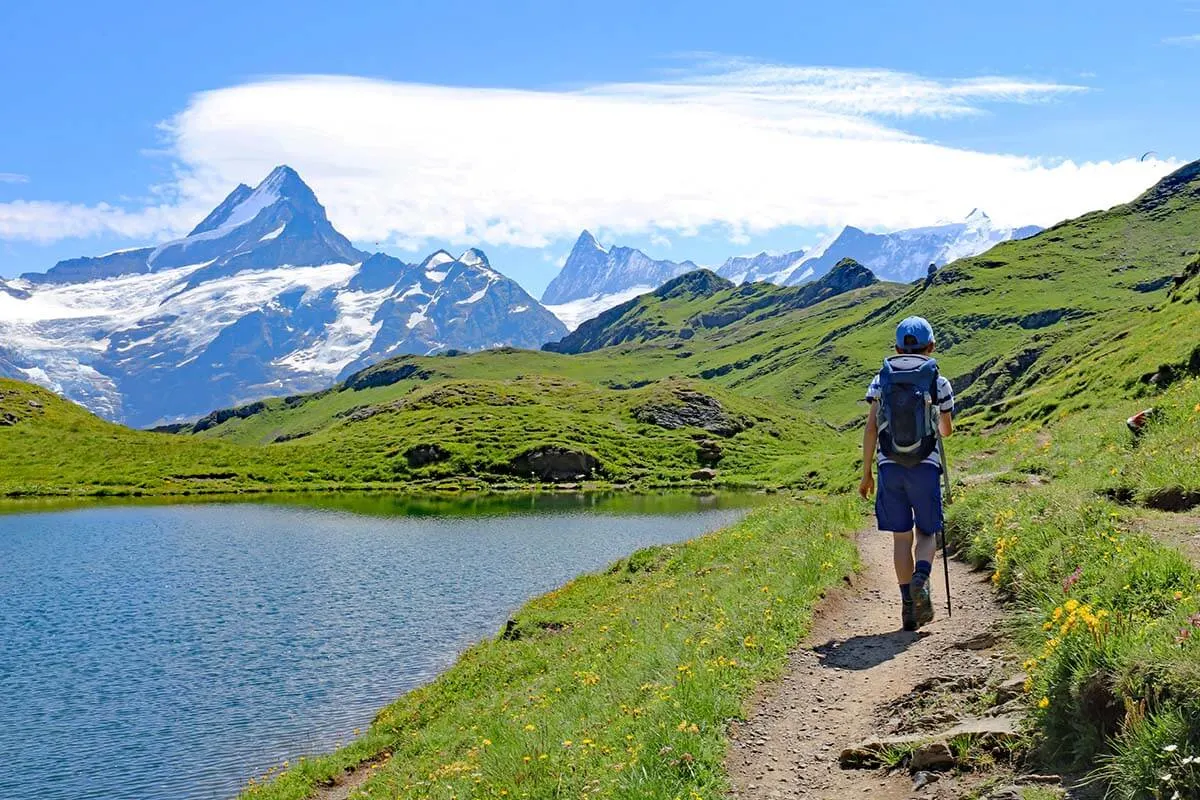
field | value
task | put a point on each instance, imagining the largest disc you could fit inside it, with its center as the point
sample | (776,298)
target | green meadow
(620,683)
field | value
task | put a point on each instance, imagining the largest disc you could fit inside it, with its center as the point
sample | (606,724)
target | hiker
(911,405)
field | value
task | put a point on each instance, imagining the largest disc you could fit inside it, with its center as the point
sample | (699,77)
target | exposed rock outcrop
(555,464)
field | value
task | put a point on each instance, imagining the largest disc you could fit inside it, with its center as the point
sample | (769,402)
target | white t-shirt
(945,404)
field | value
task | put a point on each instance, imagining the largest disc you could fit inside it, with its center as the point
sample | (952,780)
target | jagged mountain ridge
(263,297)
(777,268)
(593,279)
(592,270)
(904,256)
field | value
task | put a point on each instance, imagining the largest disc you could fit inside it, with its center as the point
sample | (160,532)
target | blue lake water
(176,651)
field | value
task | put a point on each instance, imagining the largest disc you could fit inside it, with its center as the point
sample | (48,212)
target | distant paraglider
(1148,155)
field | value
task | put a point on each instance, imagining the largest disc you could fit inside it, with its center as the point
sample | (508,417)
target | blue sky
(695,130)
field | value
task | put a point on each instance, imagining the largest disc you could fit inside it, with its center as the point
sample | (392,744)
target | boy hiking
(911,405)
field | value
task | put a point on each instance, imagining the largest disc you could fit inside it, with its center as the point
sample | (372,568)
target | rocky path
(853,679)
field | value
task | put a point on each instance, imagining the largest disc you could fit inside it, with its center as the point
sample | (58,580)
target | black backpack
(907,414)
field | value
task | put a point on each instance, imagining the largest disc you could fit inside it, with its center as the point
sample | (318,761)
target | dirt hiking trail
(853,680)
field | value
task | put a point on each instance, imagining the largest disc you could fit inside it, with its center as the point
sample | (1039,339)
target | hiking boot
(922,602)
(907,618)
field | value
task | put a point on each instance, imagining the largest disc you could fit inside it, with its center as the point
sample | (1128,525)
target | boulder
(866,754)
(1006,793)
(705,474)
(422,455)
(709,453)
(932,756)
(1012,688)
(991,731)
(998,730)
(983,640)
(555,464)
(923,779)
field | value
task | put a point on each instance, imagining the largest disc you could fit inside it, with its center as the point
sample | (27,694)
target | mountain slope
(778,268)
(263,297)
(656,314)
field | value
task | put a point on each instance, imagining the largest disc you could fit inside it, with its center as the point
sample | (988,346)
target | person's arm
(870,438)
(946,423)
(945,408)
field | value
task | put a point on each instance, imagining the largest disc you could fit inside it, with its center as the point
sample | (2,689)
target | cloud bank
(735,143)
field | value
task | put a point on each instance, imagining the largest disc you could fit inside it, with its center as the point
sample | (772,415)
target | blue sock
(905,594)
(922,571)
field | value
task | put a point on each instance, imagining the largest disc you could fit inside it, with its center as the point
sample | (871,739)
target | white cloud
(750,146)
(1193,39)
(41,221)
(13,177)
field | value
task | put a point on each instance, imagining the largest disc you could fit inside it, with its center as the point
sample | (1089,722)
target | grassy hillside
(745,380)
(1081,316)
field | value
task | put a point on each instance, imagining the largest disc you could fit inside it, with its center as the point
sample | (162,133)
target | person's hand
(867,487)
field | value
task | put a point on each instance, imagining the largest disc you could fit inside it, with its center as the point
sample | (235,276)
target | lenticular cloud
(750,146)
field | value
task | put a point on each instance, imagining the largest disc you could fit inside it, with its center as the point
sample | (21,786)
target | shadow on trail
(864,652)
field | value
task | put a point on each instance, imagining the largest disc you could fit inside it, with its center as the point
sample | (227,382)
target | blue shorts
(908,494)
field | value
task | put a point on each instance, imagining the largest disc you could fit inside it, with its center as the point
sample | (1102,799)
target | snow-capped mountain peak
(594,279)
(587,241)
(278,222)
(591,271)
(437,259)
(474,257)
(264,297)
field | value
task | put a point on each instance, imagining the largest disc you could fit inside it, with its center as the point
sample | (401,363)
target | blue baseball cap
(916,327)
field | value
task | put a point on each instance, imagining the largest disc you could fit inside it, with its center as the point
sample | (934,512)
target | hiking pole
(946,482)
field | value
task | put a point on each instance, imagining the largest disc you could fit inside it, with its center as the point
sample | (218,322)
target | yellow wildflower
(1044,702)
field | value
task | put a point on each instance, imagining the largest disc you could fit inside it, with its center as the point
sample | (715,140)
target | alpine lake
(177,650)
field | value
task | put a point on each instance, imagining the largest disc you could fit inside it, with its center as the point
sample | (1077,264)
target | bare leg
(902,552)
(926,547)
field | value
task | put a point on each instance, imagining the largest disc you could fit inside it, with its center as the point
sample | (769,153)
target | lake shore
(621,680)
